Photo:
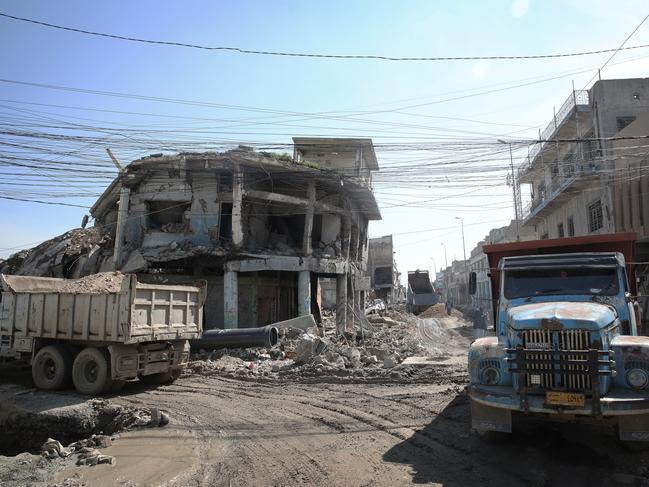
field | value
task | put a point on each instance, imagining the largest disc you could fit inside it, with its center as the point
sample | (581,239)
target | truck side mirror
(472,283)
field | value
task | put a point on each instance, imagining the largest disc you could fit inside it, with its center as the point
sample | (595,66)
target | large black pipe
(264,336)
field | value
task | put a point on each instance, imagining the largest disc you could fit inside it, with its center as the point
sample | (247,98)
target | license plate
(564,398)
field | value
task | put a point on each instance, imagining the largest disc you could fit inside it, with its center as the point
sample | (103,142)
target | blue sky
(404,28)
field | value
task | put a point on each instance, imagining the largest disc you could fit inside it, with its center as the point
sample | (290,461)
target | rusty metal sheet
(559,315)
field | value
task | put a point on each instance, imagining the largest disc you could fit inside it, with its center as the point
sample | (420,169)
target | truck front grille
(545,375)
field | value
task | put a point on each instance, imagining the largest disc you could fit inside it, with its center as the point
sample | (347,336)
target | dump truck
(567,344)
(98,332)
(421,294)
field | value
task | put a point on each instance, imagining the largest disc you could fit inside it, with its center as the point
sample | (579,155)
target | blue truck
(567,344)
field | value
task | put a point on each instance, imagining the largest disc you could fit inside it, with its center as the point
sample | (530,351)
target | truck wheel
(91,371)
(161,378)
(52,368)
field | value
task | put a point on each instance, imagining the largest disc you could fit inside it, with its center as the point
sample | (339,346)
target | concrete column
(351,304)
(353,245)
(237,204)
(230,300)
(254,298)
(341,303)
(358,310)
(120,229)
(308,219)
(304,293)
(345,236)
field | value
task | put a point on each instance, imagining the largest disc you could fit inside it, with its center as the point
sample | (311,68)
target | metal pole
(466,268)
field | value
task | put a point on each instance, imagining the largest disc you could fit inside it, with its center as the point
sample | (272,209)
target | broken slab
(301,323)
(135,263)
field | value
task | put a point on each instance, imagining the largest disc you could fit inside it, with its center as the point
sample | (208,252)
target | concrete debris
(76,253)
(378,352)
(307,347)
(87,451)
(53,449)
(391,361)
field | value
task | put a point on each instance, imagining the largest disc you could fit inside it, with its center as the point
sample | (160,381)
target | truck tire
(91,371)
(161,378)
(52,368)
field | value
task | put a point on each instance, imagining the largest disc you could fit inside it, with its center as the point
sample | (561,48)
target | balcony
(563,124)
(563,188)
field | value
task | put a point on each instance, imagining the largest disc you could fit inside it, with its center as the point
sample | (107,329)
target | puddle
(145,457)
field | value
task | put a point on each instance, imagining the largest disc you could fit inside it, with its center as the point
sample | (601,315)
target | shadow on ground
(446,452)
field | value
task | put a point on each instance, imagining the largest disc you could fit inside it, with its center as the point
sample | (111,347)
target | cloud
(520,7)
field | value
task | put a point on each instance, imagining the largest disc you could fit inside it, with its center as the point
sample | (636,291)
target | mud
(228,431)
(29,417)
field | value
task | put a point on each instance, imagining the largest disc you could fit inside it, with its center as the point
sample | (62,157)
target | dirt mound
(103,282)
(439,311)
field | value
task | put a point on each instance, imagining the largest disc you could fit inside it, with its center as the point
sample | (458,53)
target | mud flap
(634,427)
(486,418)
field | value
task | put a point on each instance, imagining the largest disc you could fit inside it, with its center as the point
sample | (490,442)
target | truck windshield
(536,282)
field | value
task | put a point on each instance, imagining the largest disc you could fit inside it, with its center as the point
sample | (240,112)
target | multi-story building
(569,171)
(260,228)
(630,180)
(382,269)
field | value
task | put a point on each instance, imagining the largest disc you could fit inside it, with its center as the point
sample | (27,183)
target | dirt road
(230,432)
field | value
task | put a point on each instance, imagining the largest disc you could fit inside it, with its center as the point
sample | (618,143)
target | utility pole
(466,269)
(515,191)
(445,272)
(122,213)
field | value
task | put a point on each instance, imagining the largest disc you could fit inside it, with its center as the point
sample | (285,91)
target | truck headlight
(490,375)
(637,378)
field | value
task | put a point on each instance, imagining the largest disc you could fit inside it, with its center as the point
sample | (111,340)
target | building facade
(382,269)
(569,172)
(261,229)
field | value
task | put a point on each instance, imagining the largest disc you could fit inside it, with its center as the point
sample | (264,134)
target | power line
(315,55)
(621,47)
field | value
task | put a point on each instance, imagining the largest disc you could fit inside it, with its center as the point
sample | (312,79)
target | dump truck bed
(118,310)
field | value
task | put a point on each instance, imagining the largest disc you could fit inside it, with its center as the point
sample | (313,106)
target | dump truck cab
(567,345)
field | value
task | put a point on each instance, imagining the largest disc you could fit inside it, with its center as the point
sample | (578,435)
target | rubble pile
(76,253)
(380,346)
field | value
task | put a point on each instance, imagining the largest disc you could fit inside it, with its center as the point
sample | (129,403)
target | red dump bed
(612,242)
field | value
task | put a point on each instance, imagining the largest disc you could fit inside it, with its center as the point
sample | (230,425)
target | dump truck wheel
(161,378)
(91,371)
(52,368)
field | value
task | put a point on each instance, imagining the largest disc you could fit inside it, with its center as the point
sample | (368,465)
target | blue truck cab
(566,344)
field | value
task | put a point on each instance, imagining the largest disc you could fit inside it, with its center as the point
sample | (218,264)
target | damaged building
(260,228)
(382,269)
